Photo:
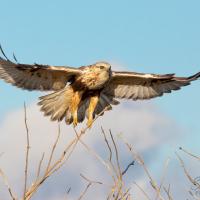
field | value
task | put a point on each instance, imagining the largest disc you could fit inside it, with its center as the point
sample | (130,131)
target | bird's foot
(89,123)
(75,121)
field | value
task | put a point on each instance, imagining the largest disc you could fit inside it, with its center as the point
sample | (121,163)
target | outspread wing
(131,85)
(36,77)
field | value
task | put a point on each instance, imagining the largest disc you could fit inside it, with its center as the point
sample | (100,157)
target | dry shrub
(118,190)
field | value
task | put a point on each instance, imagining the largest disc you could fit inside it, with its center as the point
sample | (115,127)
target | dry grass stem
(5,180)
(128,166)
(139,159)
(117,187)
(167,191)
(163,177)
(39,167)
(51,168)
(118,190)
(190,154)
(53,149)
(85,191)
(90,182)
(27,151)
(192,180)
(107,144)
(142,190)
(194,196)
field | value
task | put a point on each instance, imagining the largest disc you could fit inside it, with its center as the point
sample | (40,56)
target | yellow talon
(89,123)
(76,99)
(91,108)
(75,121)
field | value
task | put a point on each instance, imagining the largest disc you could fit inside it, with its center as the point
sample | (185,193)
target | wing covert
(131,85)
(36,77)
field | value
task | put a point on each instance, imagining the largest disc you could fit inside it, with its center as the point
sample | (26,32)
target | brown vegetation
(118,190)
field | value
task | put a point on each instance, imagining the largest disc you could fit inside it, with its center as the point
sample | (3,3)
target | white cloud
(142,124)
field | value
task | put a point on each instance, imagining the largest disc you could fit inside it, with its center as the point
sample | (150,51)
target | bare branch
(163,177)
(53,149)
(128,166)
(58,163)
(116,154)
(85,191)
(107,144)
(139,159)
(141,189)
(193,181)
(167,191)
(39,166)
(89,180)
(91,151)
(189,153)
(27,151)
(5,180)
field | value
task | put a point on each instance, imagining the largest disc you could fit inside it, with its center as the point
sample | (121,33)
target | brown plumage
(88,90)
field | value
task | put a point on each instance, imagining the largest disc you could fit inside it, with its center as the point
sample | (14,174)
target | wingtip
(3,53)
(195,76)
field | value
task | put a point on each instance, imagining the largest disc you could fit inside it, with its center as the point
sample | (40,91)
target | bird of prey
(86,91)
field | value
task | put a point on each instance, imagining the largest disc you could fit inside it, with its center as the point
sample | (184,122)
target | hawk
(86,91)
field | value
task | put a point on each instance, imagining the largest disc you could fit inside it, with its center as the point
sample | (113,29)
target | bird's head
(103,66)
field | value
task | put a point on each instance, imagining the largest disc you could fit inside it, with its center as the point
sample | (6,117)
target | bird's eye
(101,67)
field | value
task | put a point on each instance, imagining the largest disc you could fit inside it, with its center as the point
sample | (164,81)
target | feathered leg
(76,99)
(92,105)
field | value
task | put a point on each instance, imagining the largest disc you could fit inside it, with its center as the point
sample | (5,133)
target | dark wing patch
(131,85)
(36,77)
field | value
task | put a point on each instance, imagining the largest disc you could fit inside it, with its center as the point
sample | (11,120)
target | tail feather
(105,101)
(57,103)
(68,118)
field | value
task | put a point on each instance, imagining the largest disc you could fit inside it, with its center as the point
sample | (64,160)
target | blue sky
(145,36)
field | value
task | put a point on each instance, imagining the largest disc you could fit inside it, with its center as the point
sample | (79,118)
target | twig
(27,151)
(126,194)
(119,182)
(68,190)
(167,191)
(60,162)
(163,177)
(141,162)
(85,191)
(116,154)
(107,144)
(53,150)
(141,189)
(194,196)
(52,169)
(128,166)
(90,182)
(91,151)
(5,180)
(189,153)
(186,172)
(39,166)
